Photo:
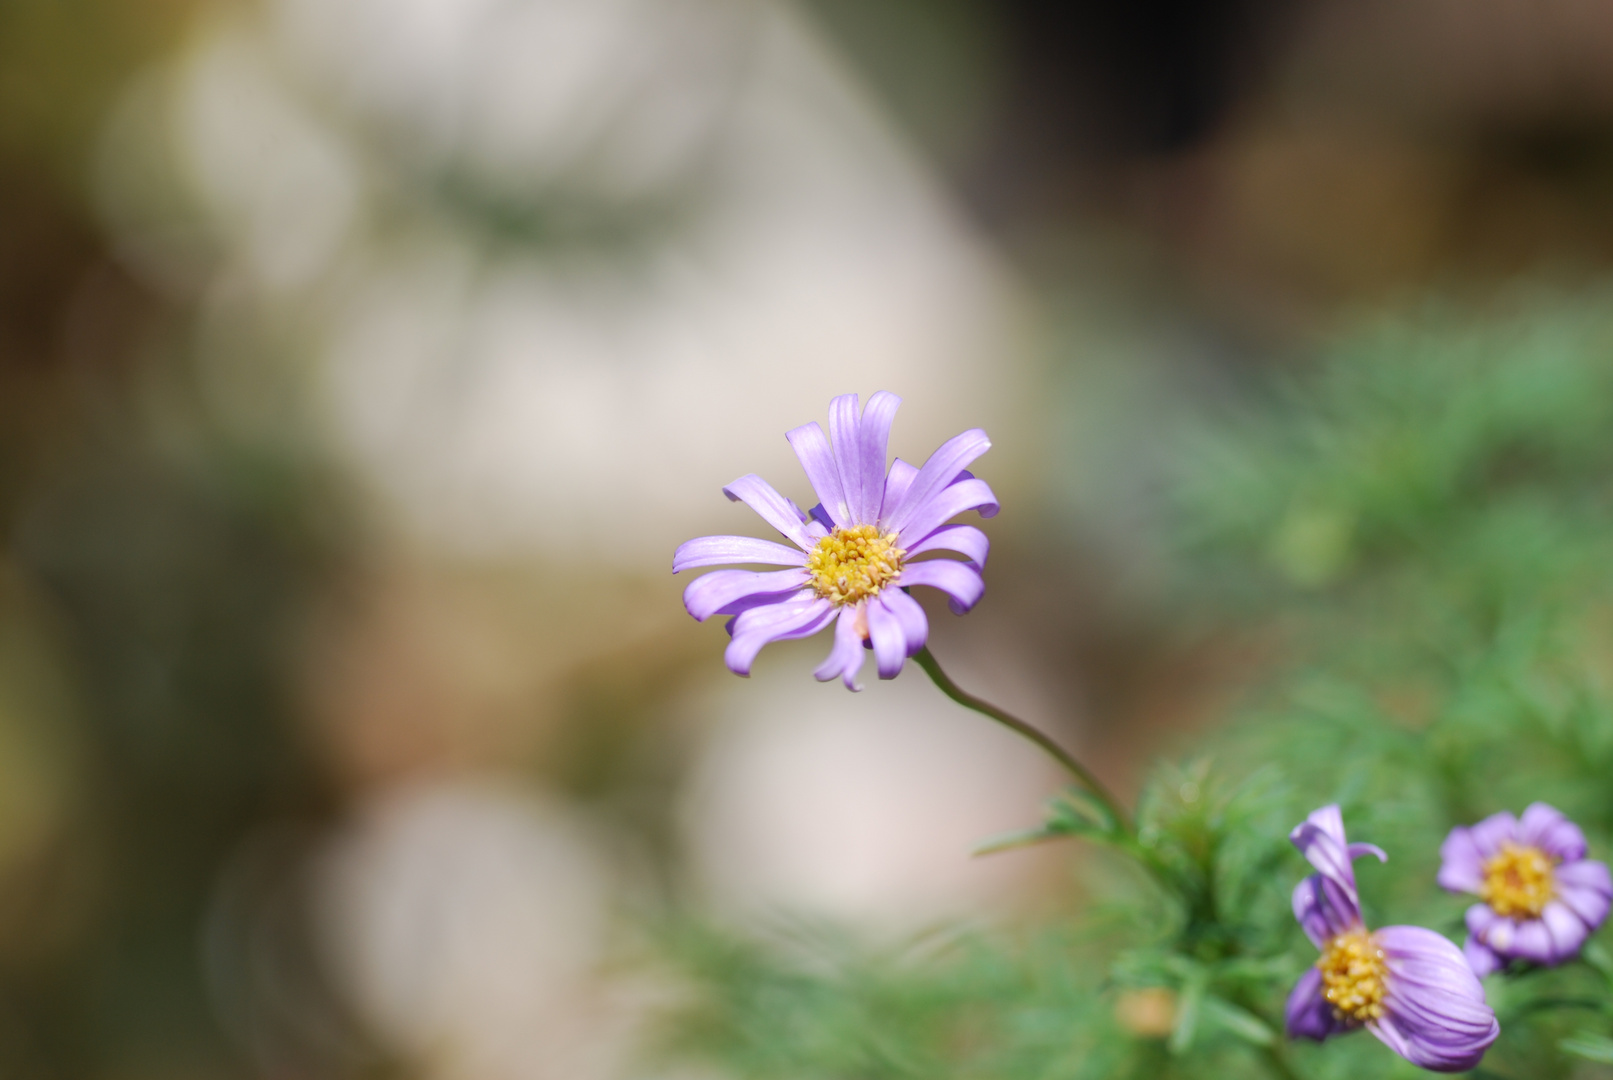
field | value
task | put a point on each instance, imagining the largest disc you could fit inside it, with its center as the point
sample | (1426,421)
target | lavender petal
(872,445)
(897,483)
(772,507)
(845,441)
(915,624)
(1461,866)
(710,594)
(719,550)
(1320,838)
(1436,1014)
(846,658)
(1586,887)
(1480,918)
(1527,941)
(817,460)
(762,626)
(924,518)
(1324,910)
(966,540)
(1566,930)
(938,471)
(959,580)
(885,632)
(1495,830)
(1308,1014)
(1481,958)
(1545,827)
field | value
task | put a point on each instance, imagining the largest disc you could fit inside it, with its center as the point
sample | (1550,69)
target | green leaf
(1188,1003)
(1590,1046)
(1239,1021)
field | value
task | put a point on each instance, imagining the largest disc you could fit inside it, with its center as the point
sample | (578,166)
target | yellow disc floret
(1353,977)
(1518,882)
(850,564)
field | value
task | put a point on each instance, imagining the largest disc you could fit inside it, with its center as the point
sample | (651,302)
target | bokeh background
(363,361)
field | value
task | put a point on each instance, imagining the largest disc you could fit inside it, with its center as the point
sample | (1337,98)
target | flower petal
(811,448)
(772,507)
(1546,828)
(1566,929)
(845,437)
(964,539)
(718,550)
(1324,910)
(1481,958)
(711,593)
(1461,866)
(897,483)
(1528,941)
(971,494)
(1436,1016)
(959,580)
(1586,888)
(1308,1014)
(846,658)
(915,624)
(938,471)
(1320,838)
(1480,918)
(885,632)
(761,626)
(1495,830)
(873,442)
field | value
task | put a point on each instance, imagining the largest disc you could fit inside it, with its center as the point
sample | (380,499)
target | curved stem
(1095,788)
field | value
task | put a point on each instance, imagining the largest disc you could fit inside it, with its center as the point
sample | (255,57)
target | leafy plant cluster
(1424,523)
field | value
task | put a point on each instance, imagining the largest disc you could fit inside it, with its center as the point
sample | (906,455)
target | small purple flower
(1408,986)
(853,557)
(1541,897)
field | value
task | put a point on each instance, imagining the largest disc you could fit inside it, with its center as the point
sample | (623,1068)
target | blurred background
(363,361)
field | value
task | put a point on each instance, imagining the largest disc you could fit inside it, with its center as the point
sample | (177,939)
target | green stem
(932,668)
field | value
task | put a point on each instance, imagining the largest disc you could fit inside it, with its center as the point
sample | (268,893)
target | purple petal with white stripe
(812,449)
(966,540)
(712,593)
(948,504)
(939,470)
(772,507)
(846,657)
(764,625)
(961,581)
(719,550)
(1436,1014)
(885,634)
(872,446)
(915,624)
(897,483)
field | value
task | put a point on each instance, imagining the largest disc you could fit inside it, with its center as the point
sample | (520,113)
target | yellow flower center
(849,564)
(1518,881)
(1353,977)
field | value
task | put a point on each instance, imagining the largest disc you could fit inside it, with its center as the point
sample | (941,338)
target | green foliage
(1425,526)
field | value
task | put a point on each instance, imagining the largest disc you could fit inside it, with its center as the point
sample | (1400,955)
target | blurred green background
(362,361)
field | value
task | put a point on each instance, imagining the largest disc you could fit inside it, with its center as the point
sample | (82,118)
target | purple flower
(1540,896)
(853,558)
(1408,986)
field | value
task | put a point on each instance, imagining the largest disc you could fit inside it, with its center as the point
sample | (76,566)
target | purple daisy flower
(1540,896)
(1408,986)
(854,552)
